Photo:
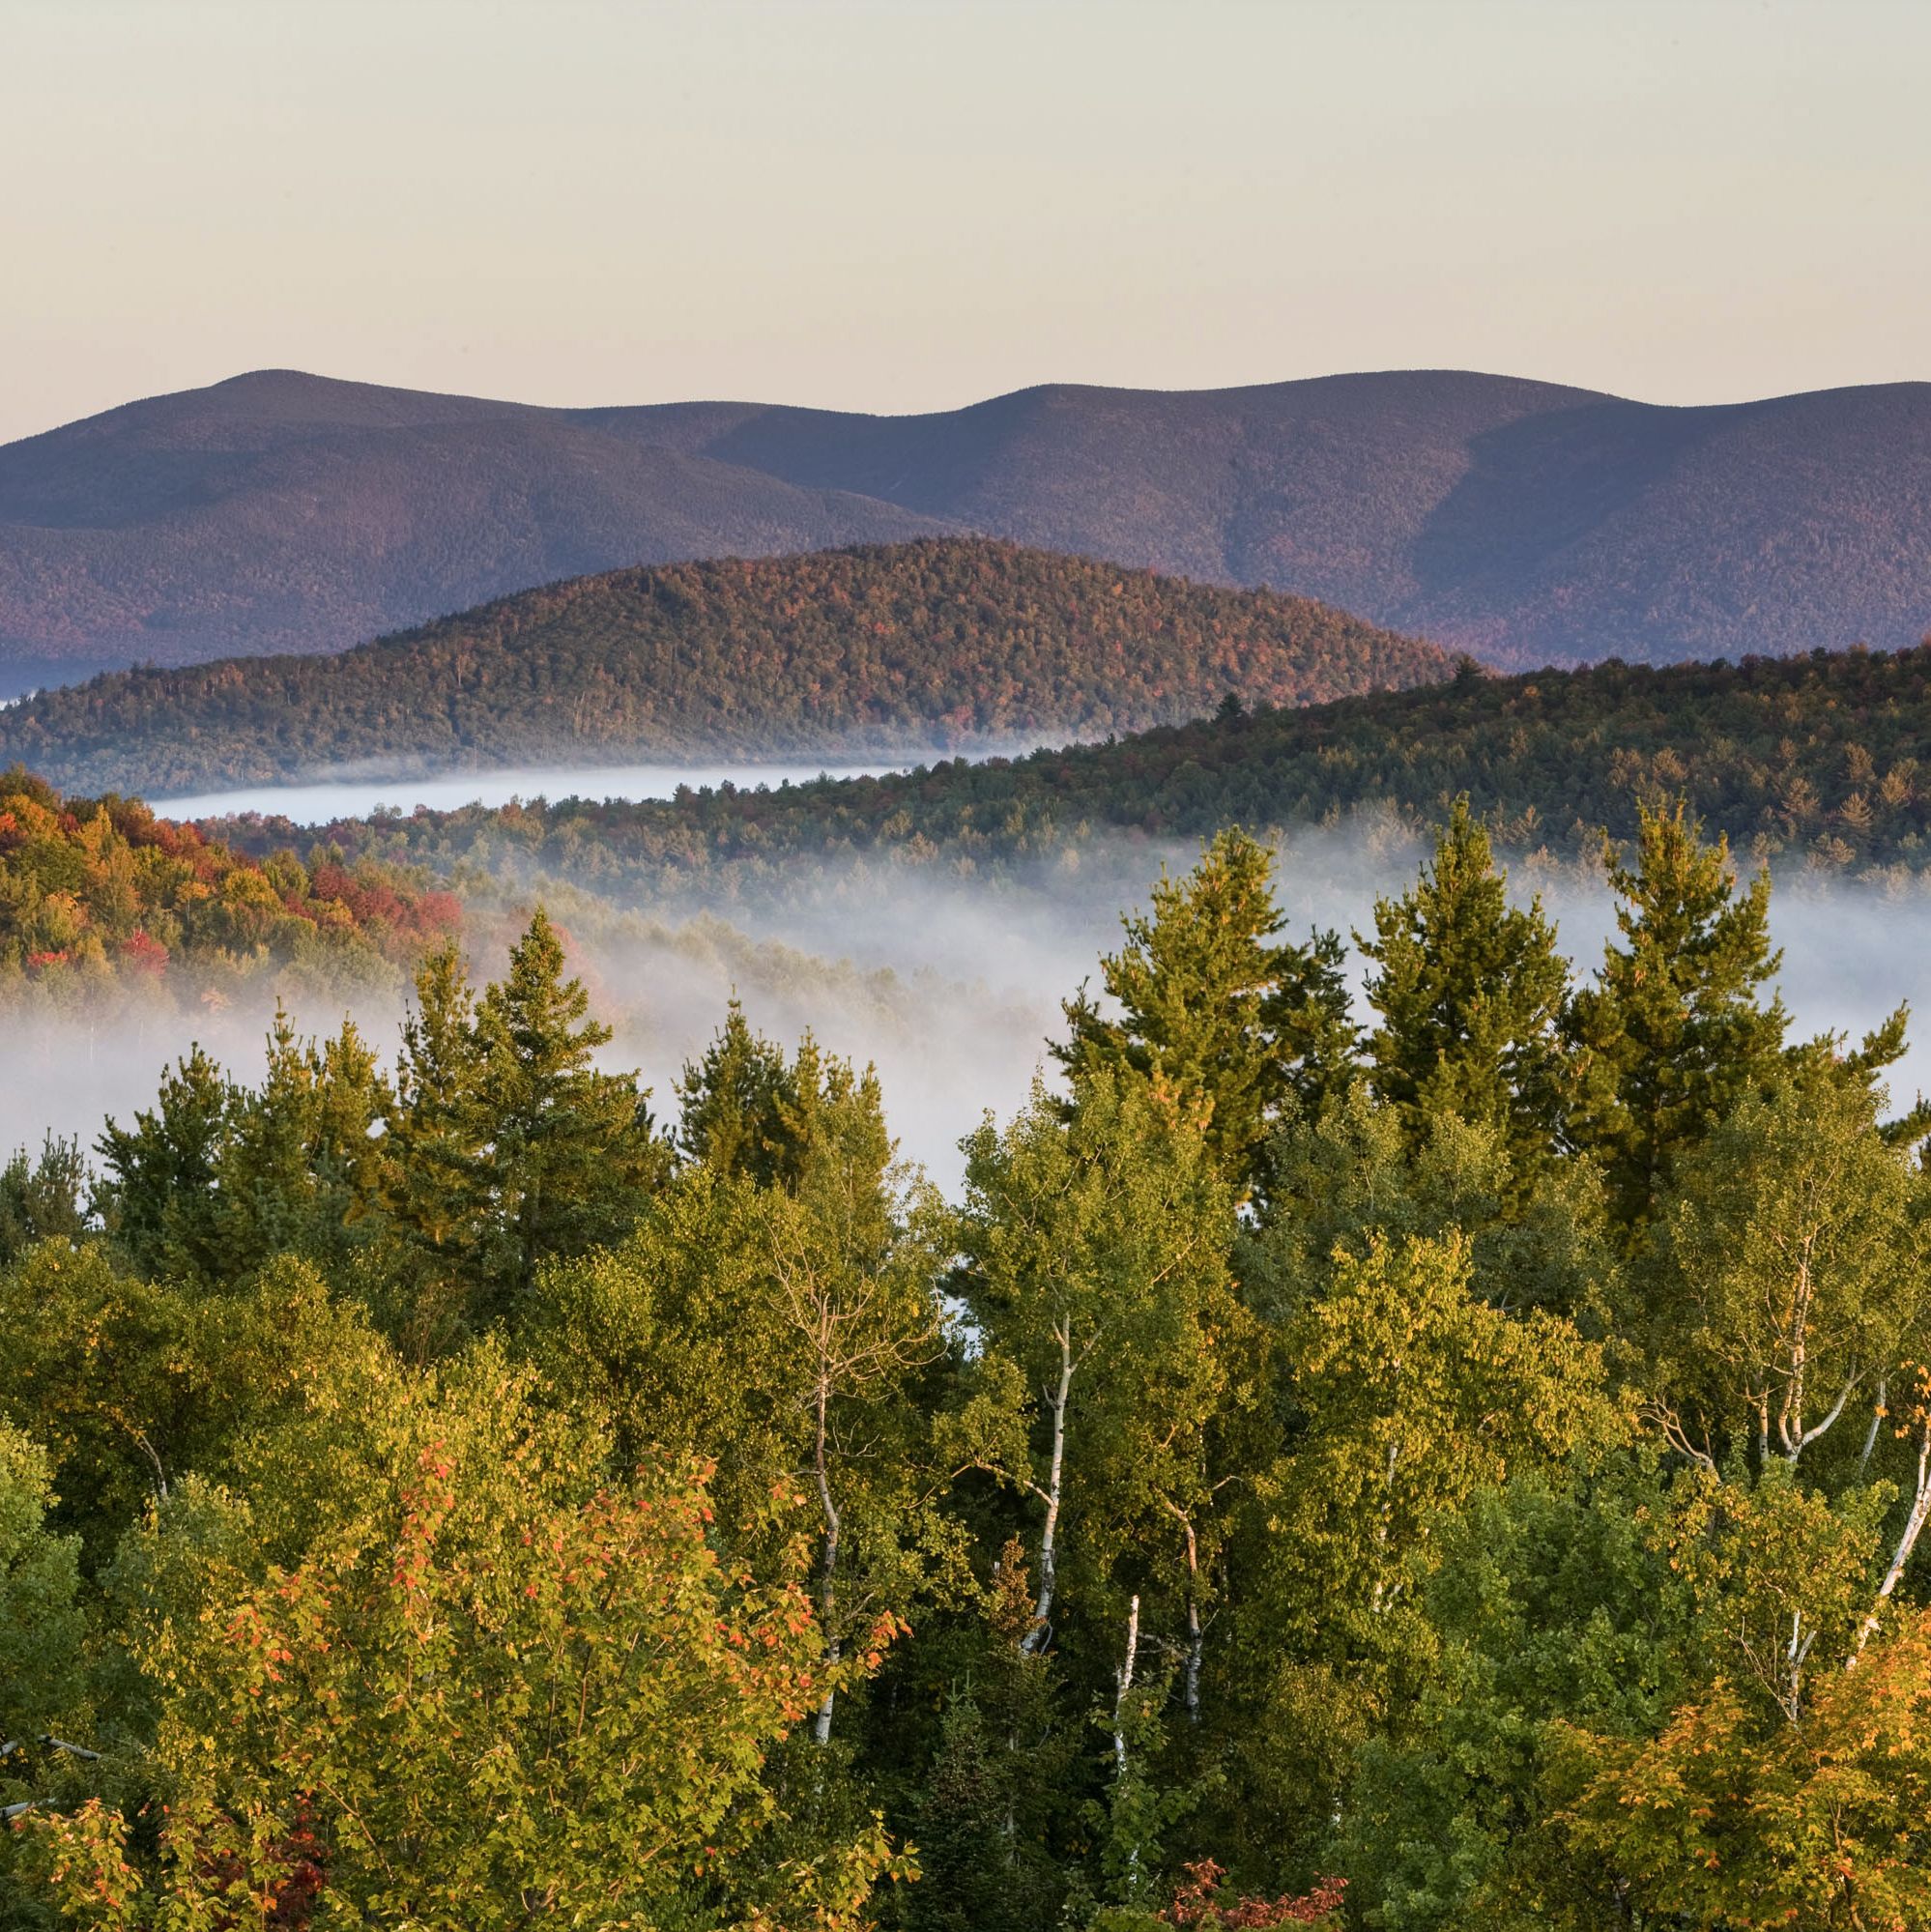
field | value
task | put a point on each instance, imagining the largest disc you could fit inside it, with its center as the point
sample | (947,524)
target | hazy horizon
(967,402)
(839,204)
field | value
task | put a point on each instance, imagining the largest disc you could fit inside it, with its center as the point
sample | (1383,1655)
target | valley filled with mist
(1022,1251)
(950,986)
(859,1222)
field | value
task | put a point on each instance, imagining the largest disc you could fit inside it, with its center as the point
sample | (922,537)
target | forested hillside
(908,646)
(1456,1463)
(1526,522)
(1818,762)
(278,512)
(98,893)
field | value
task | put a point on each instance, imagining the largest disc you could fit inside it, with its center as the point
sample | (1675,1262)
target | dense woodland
(1458,1463)
(101,894)
(1820,764)
(897,647)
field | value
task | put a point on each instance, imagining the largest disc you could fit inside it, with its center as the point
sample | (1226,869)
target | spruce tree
(1226,1023)
(1674,1032)
(299,1176)
(814,1128)
(733,1102)
(571,1154)
(1469,989)
(158,1194)
(42,1200)
(435,1180)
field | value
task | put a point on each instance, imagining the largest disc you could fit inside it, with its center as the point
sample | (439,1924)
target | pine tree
(1673,1034)
(840,1153)
(572,1153)
(1469,989)
(815,1128)
(42,1200)
(733,1101)
(158,1193)
(435,1174)
(299,1176)
(1226,1023)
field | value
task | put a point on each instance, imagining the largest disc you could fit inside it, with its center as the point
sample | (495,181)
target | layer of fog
(950,987)
(346,792)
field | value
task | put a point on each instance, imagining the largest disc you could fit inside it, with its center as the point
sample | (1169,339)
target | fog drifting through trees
(951,988)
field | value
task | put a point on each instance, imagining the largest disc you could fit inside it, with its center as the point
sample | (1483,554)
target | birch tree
(777,1311)
(1410,1395)
(1788,1283)
(1096,1278)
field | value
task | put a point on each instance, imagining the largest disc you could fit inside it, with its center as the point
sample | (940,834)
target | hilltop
(955,642)
(1526,522)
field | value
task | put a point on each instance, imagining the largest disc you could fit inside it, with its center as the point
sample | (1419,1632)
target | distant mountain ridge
(957,643)
(1525,521)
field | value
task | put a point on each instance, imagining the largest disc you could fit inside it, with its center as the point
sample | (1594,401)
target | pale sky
(918,204)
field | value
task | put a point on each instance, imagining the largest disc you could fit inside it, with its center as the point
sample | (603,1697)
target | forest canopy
(102,894)
(898,647)
(1457,1460)
(1820,764)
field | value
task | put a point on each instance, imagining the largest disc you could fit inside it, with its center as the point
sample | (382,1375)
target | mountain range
(1522,521)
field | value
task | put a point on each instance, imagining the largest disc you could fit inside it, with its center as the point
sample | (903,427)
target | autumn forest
(1458,1459)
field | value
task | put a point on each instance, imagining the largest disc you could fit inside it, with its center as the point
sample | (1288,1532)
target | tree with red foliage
(1201,1902)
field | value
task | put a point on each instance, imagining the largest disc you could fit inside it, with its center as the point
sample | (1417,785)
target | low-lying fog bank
(351,795)
(950,987)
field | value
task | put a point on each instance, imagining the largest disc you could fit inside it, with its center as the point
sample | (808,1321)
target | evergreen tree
(815,1128)
(1225,1021)
(42,1200)
(435,1177)
(298,1174)
(572,1155)
(219,1179)
(1674,1031)
(1469,989)
(158,1193)
(733,1101)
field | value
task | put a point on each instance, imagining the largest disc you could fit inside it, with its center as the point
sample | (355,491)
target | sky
(913,204)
